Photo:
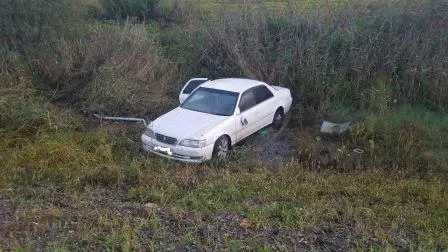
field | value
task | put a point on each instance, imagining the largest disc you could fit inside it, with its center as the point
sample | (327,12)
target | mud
(299,140)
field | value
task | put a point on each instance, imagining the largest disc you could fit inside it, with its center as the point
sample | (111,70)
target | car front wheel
(221,148)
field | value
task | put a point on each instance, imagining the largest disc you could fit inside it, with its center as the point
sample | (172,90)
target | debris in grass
(358,151)
(334,128)
(93,113)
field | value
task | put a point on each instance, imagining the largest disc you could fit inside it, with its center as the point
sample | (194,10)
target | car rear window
(192,86)
(262,93)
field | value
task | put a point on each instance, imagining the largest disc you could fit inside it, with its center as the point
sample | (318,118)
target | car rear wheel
(221,148)
(279,118)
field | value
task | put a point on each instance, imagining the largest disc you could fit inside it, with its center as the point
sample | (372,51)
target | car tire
(279,118)
(221,148)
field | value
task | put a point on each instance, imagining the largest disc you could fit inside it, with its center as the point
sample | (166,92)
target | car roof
(232,84)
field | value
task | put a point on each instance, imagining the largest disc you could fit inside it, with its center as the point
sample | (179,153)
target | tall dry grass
(14,76)
(336,54)
(117,70)
(80,62)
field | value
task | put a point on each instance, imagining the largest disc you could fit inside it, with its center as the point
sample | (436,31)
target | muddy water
(277,152)
(274,148)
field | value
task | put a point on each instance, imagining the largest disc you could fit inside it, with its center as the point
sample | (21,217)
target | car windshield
(211,101)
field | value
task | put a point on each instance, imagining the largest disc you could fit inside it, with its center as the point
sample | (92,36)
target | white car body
(169,130)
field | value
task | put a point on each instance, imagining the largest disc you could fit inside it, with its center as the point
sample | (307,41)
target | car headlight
(193,143)
(149,133)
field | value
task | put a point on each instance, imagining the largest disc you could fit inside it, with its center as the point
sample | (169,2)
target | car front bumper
(177,152)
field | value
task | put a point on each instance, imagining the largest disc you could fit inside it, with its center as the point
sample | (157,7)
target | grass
(412,133)
(71,183)
(90,188)
(374,208)
(327,56)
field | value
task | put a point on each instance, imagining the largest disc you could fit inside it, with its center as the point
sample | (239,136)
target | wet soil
(299,140)
(276,148)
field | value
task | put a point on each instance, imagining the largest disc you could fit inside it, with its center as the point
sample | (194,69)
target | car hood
(185,124)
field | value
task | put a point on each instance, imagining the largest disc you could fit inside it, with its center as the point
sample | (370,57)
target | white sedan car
(213,116)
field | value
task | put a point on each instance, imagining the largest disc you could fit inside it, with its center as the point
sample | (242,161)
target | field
(71,182)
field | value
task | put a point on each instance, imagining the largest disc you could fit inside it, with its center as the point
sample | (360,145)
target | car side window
(262,93)
(247,100)
(192,86)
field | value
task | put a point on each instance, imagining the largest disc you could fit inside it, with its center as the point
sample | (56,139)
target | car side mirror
(237,111)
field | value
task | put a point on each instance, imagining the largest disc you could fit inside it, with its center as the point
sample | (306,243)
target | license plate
(166,150)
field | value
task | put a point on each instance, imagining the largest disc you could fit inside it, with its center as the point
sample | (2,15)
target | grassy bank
(78,185)
(288,210)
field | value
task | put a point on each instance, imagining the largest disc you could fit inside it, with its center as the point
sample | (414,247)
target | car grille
(166,139)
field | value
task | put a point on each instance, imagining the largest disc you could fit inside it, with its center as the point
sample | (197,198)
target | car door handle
(244,121)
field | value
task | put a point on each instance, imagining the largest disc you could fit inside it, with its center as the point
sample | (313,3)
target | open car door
(189,87)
